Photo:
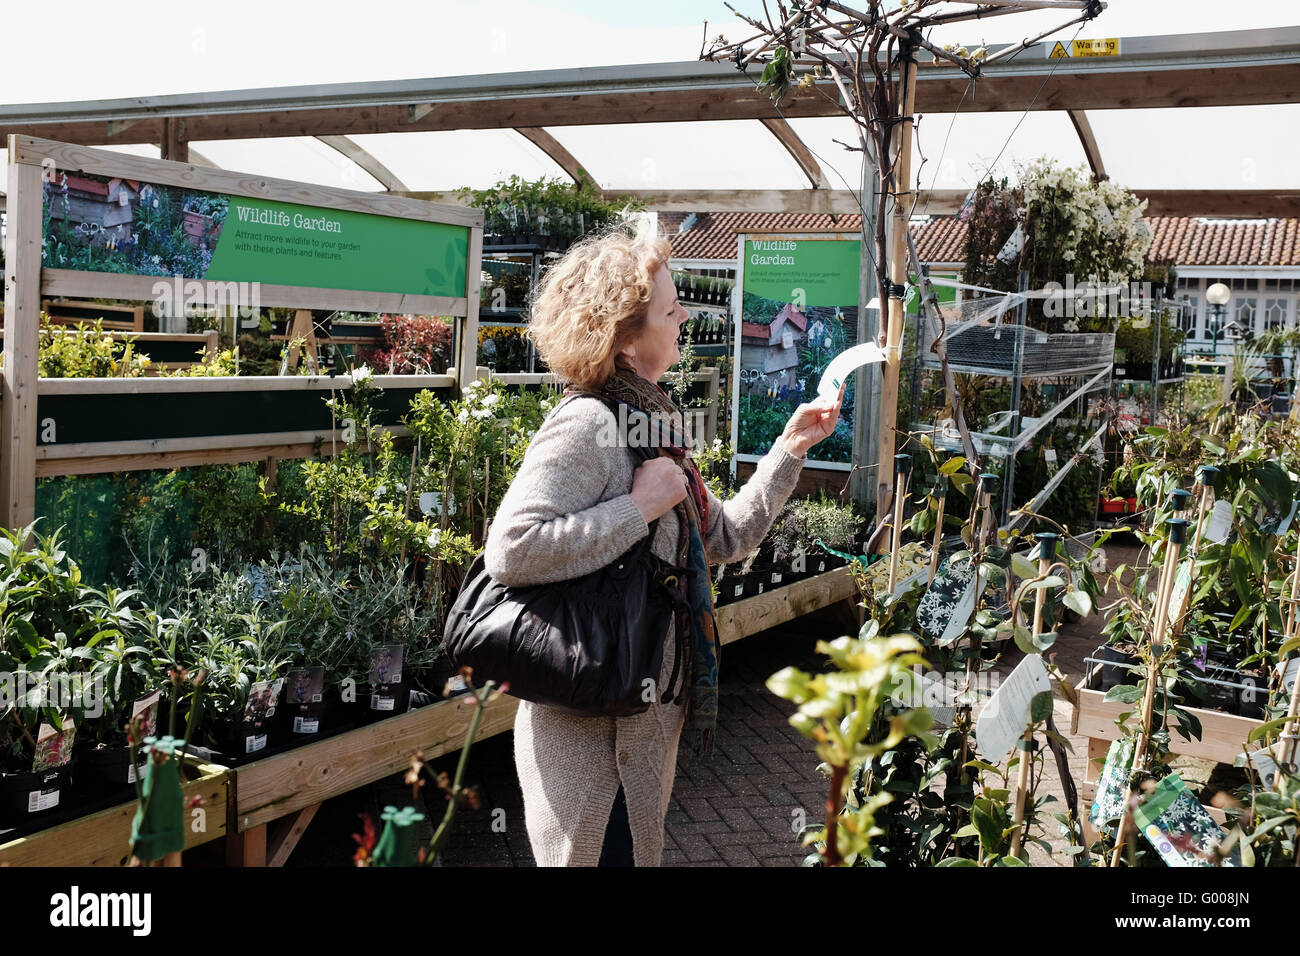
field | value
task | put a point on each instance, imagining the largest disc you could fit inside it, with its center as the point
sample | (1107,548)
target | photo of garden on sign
(799,309)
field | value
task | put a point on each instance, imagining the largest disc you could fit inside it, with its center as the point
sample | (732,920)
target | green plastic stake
(159,824)
(397,844)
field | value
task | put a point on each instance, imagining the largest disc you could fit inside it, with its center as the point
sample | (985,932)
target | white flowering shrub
(1076,230)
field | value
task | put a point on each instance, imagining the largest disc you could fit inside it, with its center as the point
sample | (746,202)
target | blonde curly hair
(593,302)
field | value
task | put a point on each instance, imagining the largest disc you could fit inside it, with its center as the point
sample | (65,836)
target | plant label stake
(1177,529)
(1004,718)
(942,493)
(1046,552)
(902,472)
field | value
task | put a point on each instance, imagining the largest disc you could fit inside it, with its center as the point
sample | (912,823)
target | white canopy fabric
(1246,147)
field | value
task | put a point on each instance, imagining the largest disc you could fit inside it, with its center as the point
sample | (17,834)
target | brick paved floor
(740,809)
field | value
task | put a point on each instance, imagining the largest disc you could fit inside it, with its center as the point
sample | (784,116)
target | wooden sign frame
(27,283)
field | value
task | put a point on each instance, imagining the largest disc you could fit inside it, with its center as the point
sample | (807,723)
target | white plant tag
(39,800)
(1005,717)
(1011,248)
(837,372)
(1049,456)
(1220,523)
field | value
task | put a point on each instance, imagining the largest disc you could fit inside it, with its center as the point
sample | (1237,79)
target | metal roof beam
(365,159)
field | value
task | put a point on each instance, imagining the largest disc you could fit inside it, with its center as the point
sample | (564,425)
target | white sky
(164,48)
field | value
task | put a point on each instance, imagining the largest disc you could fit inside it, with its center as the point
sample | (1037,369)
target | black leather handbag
(591,646)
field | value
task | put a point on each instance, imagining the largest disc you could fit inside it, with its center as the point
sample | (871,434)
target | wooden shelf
(751,615)
(305,776)
(104,838)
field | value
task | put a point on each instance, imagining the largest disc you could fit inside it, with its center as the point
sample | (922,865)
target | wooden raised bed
(104,838)
(1223,736)
(295,783)
(751,615)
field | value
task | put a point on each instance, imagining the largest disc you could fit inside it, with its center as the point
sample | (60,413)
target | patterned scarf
(693,525)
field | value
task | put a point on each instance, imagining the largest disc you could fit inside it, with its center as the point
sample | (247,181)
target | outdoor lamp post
(1217,296)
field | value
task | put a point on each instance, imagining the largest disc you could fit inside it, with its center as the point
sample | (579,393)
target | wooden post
(902,475)
(1177,534)
(18,425)
(1046,552)
(897,274)
(210,344)
(1205,501)
(467,358)
(304,328)
(175,144)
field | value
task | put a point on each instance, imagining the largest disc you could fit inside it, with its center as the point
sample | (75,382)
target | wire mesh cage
(978,340)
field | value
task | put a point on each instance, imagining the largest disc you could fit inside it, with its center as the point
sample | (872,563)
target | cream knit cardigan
(567,513)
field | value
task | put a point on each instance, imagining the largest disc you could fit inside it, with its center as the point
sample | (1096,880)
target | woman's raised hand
(812,422)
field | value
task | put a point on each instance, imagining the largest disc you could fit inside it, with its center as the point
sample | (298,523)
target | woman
(606,319)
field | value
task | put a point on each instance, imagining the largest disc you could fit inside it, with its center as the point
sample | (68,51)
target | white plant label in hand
(1220,523)
(848,361)
(1005,717)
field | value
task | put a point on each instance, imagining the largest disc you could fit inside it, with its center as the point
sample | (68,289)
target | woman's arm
(737,526)
(551,524)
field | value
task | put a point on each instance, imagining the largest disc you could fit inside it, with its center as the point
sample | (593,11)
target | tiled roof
(1188,241)
(1226,242)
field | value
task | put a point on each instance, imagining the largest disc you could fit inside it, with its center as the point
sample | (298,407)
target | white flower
(379,492)
(481,413)
(491,400)
(463,416)
(435,536)
(361,374)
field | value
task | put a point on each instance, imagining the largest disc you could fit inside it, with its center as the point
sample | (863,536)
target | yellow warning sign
(1060,51)
(1097,47)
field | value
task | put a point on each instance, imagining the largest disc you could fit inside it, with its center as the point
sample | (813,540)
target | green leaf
(1010,861)
(1124,693)
(1044,641)
(989,830)
(1022,567)
(956,861)
(1079,602)
(1040,708)
(1267,727)
(1023,640)
(969,830)
(952,465)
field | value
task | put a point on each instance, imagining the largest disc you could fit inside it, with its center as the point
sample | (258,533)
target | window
(1187,315)
(1244,311)
(1275,313)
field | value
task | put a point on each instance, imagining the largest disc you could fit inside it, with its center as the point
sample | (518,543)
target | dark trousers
(617,850)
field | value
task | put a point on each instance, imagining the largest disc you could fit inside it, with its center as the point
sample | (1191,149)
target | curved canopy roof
(1201,122)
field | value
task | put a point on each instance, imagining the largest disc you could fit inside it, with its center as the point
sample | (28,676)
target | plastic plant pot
(27,795)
